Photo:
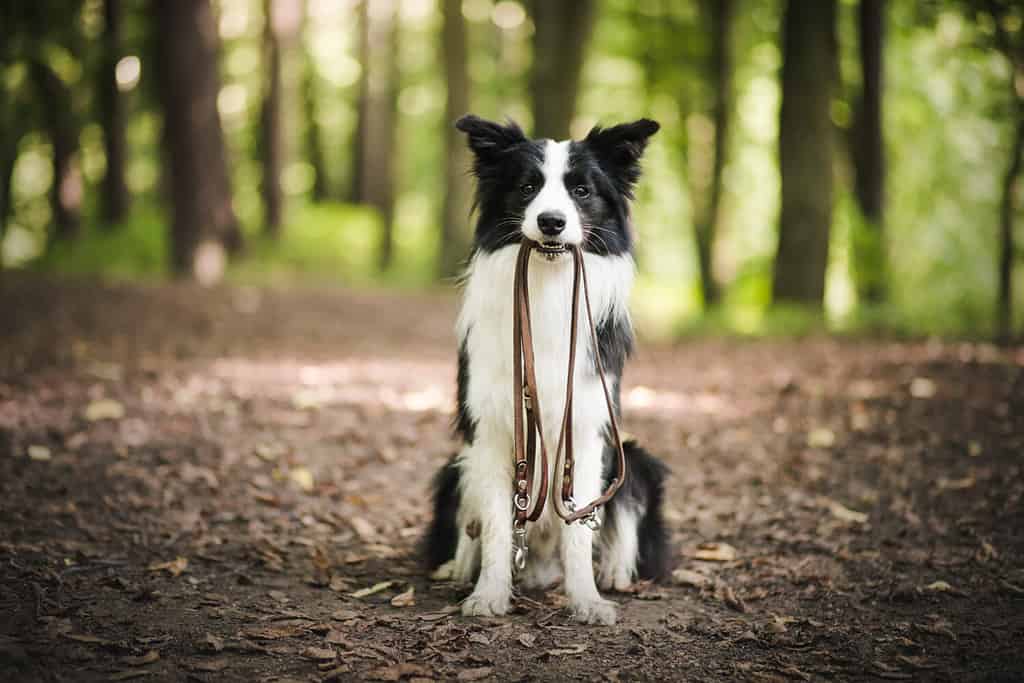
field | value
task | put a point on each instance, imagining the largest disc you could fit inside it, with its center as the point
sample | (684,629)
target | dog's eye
(527,188)
(581,191)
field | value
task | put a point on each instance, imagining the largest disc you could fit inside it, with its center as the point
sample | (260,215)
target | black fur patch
(614,346)
(644,487)
(438,546)
(464,424)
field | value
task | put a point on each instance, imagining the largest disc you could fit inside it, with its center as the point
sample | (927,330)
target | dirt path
(229,485)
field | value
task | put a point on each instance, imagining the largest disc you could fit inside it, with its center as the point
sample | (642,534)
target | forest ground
(230,484)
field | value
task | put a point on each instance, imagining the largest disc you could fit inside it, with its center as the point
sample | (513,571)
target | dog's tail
(645,486)
(438,545)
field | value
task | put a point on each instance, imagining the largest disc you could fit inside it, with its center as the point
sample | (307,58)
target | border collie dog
(572,192)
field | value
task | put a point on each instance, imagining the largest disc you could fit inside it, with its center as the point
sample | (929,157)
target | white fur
(554,196)
(485,322)
(619,548)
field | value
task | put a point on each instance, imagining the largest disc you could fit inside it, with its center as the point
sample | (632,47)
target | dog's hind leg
(618,548)
(635,541)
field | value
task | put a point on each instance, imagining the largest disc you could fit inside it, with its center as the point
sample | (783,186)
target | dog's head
(556,193)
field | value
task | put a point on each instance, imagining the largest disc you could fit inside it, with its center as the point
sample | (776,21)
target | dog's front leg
(586,603)
(487,488)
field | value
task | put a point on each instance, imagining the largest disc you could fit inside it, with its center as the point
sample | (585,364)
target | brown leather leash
(528,430)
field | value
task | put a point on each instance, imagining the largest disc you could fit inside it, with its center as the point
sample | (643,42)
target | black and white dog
(552,192)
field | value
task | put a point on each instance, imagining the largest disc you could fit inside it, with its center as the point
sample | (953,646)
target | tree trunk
(271,142)
(112,116)
(8,156)
(312,139)
(721,14)
(1007,209)
(868,156)
(203,218)
(356,182)
(805,152)
(373,172)
(457,201)
(562,30)
(67,188)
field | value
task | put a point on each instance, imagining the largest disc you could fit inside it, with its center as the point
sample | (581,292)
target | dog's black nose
(551,222)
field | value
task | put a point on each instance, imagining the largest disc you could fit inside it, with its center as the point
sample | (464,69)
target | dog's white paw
(445,572)
(595,611)
(620,583)
(486,605)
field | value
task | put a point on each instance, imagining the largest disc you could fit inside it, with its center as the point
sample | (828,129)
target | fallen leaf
(339,584)
(821,437)
(938,587)
(211,643)
(364,530)
(973,449)
(173,567)
(398,671)
(344,615)
(571,650)
(527,639)
(104,409)
(39,453)
(129,674)
(715,552)
(209,665)
(477,674)
(303,478)
(372,590)
(845,514)
(320,654)
(960,484)
(479,639)
(687,577)
(922,387)
(405,599)
(730,598)
(275,632)
(141,660)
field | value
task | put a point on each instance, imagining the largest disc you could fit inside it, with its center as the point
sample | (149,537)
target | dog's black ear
(618,149)
(490,140)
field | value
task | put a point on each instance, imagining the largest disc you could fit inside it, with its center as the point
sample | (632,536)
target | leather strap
(526,436)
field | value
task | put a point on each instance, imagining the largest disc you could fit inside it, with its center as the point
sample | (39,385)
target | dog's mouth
(551,250)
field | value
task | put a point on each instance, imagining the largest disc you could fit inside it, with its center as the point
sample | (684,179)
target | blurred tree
(112,116)
(203,223)
(58,116)
(1007,18)
(373,176)
(1002,21)
(868,154)
(719,17)
(455,214)
(805,151)
(271,141)
(312,139)
(562,30)
(281,26)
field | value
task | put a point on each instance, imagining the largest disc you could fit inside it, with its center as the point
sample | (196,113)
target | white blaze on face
(554,197)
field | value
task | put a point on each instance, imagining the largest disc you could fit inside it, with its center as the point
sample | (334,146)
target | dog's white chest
(485,323)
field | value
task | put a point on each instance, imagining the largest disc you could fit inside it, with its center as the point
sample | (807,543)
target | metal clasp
(519,547)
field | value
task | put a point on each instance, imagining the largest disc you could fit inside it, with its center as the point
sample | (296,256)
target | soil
(229,484)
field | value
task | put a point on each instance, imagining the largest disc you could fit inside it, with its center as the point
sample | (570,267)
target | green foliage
(136,249)
(946,125)
(325,242)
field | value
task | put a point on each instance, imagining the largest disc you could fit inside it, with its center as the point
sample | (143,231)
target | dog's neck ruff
(527,428)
